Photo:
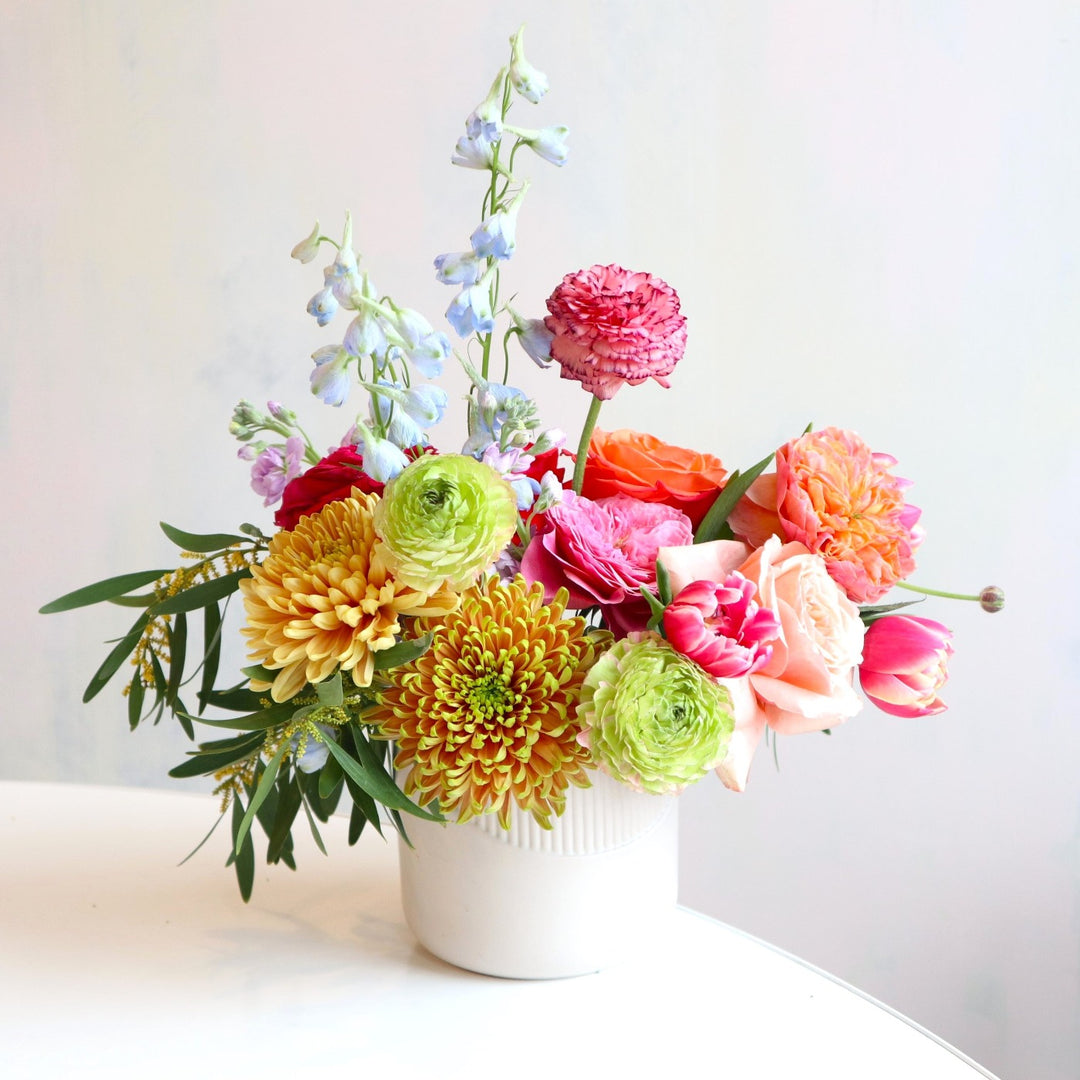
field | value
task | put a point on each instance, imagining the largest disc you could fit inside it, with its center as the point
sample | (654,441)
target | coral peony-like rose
(331,479)
(629,462)
(651,718)
(613,326)
(720,627)
(807,683)
(904,664)
(832,493)
(602,552)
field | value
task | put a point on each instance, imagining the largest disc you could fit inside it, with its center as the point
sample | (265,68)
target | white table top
(114,962)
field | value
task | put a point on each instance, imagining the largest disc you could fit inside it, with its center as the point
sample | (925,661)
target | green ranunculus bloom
(444,518)
(652,718)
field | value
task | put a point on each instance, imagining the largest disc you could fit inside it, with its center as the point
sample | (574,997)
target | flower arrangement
(448,635)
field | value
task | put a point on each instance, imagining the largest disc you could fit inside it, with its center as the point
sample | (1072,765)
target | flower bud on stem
(990,599)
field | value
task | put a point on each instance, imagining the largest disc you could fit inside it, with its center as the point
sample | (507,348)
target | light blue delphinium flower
(401,429)
(473,153)
(330,379)
(470,311)
(323,305)
(526,80)
(498,414)
(308,248)
(459,268)
(548,143)
(426,404)
(365,336)
(534,337)
(426,348)
(485,121)
(382,459)
(407,410)
(496,235)
(313,751)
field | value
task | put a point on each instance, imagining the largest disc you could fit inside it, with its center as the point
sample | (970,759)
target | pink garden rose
(612,326)
(806,685)
(720,627)
(839,498)
(602,552)
(905,664)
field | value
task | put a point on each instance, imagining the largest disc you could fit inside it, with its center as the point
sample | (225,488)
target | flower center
(490,695)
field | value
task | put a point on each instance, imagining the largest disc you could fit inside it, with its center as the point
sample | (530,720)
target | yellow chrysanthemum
(486,718)
(324,598)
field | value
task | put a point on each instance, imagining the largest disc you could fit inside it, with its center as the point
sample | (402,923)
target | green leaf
(265,786)
(330,776)
(101,590)
(211,651)
(370,775)
(213,756)
(135,701)
(177,638)
(120,652)
(199,543)
(404,652)
(289,799)
(221,818)
(235,699)
(182,718)
(259,673)
(870,613)
(143,599)
(330,692)
(655,606)
(314,828)
(243,855)
(712,526)
(663,583)
(200,595)
(252,530)
(256,721)
(357,821)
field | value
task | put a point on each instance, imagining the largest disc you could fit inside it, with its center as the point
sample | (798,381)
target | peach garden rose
(807,682)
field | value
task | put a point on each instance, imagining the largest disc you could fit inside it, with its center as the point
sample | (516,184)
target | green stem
(583,445)
(936,592)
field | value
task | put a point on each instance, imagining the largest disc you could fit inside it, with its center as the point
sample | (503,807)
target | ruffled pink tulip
(905,664)
(720,627)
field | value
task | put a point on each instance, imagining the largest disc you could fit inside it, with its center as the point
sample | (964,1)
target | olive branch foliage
(257,759)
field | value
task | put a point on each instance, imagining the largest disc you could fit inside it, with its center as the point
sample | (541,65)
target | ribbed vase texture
(534,903)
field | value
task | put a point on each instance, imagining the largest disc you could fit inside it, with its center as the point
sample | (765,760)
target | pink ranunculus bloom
(905,664)
(807,683)
(602,552)
(613,326)
(720,627)
(840,499)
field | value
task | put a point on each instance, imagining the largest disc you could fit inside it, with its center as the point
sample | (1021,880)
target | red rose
(333,478)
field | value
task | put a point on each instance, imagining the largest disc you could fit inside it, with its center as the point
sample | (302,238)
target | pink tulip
(904,664)
(720,627)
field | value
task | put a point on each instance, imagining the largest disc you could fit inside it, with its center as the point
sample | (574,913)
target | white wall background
(870,212)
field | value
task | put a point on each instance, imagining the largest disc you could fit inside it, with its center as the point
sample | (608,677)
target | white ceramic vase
(532,903)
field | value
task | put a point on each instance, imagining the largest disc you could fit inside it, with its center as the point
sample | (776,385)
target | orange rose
(631,463)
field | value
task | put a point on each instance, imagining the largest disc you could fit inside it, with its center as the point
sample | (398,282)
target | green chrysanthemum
(444,518)
(652,718)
